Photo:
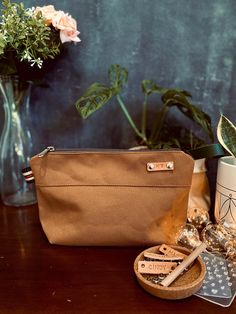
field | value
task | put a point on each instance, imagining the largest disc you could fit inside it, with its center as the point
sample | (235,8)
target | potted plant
(158,132)
(225,202)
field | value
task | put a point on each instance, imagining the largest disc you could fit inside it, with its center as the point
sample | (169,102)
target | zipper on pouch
(53,149)
(63,150)
(46,150)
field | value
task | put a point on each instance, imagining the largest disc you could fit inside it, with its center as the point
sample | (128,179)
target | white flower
(26,56)
(30,11)
(37,61)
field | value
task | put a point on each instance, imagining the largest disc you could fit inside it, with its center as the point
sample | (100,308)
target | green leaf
(150,86)
(186,93)
(95,97)
(226,134)
(198,116)
(20,37)
(179,99)
(175,94)
(118,76)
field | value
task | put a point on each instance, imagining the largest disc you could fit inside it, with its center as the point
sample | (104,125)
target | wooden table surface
(37,277)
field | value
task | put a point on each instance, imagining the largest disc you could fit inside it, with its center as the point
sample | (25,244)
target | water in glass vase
(15,142)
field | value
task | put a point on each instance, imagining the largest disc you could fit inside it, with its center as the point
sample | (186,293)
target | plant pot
(199,195)
(225,202)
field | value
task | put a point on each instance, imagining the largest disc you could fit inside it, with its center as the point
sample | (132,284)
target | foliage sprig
(24,37)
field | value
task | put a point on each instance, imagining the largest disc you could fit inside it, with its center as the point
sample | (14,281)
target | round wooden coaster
(184,286)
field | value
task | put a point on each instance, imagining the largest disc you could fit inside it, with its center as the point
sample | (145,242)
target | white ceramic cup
(225,202)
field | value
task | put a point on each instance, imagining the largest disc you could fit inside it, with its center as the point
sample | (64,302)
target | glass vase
(15,142)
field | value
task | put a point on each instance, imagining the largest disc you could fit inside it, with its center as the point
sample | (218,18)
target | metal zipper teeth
(52,150)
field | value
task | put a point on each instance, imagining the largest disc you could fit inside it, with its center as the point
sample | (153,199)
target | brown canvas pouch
(112,197)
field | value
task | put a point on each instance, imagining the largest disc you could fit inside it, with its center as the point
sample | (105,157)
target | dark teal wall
(180,43)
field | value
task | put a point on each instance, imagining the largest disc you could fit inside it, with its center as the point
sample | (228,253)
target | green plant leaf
(94,98)
(150,86)
(175,94)
(118,76)
(226,134)
(97,95)
(179,99)
(198,116)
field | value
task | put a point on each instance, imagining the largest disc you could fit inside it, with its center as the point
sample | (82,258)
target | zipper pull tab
(46,150)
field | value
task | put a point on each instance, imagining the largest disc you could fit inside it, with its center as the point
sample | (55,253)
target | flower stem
(130,120)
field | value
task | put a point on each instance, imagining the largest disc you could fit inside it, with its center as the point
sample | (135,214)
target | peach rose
(67,26)
(48,11)
(69,36)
